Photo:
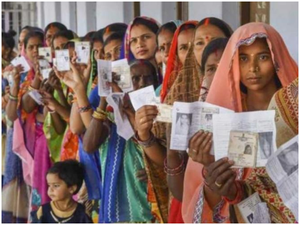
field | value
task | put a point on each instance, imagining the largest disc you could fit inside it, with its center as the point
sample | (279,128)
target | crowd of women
(142,179)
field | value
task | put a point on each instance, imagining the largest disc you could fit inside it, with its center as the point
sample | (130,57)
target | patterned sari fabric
(225,92)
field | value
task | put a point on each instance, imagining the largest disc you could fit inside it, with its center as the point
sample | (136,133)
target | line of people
(141,179)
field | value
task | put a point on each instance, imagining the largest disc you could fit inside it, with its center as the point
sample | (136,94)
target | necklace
(63,210)
(58,221)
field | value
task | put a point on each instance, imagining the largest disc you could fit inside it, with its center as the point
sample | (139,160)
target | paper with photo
(242,148)
(189,118)
(260,122)
(36,96)
(62,60)
(45,68)
(121,75)
(20,60)
(104,76)
(46,53)
(282,168)
(124,128)
(164,113)
(247,207)
(82,51)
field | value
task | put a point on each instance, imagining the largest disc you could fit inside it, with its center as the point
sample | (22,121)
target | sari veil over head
(225,92)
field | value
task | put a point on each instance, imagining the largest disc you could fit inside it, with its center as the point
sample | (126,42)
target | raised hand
(54,81)
(144,121)
(199,148)
(48,100)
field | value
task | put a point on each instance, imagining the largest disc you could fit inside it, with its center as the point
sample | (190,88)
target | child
(64,180)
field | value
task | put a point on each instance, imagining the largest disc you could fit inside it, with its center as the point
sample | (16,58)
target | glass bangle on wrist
(148,143)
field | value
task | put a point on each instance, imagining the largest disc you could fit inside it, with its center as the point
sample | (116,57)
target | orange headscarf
(225,91)
(225,88)
(173,64)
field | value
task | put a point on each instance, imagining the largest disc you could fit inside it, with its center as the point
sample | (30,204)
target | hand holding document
(124,128)
(146,96)
(282,168)
(45,68)
(189,118)
(248,138)
(20,60)
(36,96)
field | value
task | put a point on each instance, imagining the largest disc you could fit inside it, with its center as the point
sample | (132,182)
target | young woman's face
(58,189)
(291,158)
(142,42)
(256,66)
(142,76)
(184,119)
(164,43)
(50,32)
(21,39)
(112,50)
(203,35)
(98,50)
(59,43)
(211,66)
(184,38)
(33,45)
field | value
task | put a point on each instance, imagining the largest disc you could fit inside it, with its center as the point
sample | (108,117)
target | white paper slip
(104,76)
(36,96)
(62,60)
(282,168)
(124,128)
(260,122)
(164,113)
(54,62)
(121,75)
(45,68)
(247,207)
(261,213)
(46,53)
(189,118)
(141,97)
(10,80)
(21,61)
(83,51)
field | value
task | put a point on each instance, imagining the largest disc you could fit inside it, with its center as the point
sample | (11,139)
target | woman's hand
(38,75)
(220,178)
(48,100)
(199,148)
(144,121)
(54,82)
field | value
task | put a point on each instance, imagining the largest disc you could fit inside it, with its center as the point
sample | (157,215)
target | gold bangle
(13,98)
(30,88)
(99,110)
(99,116)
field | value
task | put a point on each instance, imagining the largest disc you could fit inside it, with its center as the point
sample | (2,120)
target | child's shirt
(46,214)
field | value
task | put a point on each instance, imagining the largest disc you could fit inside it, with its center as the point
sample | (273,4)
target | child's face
(211,66)
(256,66)
(58,189)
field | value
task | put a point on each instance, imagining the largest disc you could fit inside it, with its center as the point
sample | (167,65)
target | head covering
(126,47)
(222,25)
(173,64)
(225,88)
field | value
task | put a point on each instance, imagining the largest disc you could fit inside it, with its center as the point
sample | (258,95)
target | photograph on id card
(62,60)
(46,53)
(82,51)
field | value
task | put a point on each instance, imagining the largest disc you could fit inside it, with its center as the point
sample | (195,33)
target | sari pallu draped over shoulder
(225,92)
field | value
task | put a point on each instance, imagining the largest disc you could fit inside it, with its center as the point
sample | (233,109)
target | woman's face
(59,43)
(203,35)
(142,76)
(98,50)
(184,119)
(256,66)
(184,38)
(21,39)
(33,44)
(211,66)
(291,157)
(50,32)
(112,50)
(142,42)
(164,43)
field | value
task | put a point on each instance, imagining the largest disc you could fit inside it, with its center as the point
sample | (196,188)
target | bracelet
(99,116)
(84,108)
(30,88)
(13,98)
(147,143)
(99,110)
(177,170)
(239,194)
